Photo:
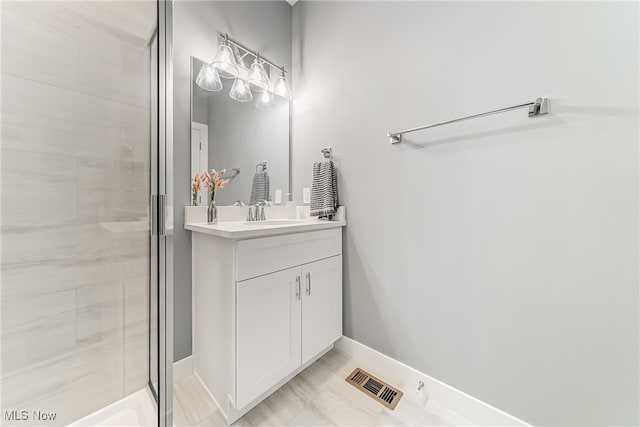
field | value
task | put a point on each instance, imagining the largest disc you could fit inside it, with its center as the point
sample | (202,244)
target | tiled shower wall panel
(75,184)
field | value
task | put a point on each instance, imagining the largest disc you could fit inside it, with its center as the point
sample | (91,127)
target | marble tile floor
(318,396)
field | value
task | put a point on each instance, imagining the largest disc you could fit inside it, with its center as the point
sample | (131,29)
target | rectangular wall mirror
(238,136)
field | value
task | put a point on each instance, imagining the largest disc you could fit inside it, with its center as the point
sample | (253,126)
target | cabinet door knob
(298,287)
(309,283)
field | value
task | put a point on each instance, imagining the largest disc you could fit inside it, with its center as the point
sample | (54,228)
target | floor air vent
(374,388)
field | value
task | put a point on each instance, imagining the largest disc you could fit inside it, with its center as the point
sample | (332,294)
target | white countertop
(244,230)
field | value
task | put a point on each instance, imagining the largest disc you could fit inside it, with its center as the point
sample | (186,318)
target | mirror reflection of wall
(227,134)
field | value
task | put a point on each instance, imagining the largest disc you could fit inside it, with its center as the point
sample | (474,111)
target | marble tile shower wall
(75,168)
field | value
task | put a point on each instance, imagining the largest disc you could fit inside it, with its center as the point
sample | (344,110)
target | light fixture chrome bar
(225,37)
(536,108)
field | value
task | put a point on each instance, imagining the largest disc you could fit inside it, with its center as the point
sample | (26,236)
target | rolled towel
(259,187)
(324,190)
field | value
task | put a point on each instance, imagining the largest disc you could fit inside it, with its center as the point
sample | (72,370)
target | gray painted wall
(498,255)
(262,25)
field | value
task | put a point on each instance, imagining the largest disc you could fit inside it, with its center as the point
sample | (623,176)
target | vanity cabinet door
(321,305)
(268,332)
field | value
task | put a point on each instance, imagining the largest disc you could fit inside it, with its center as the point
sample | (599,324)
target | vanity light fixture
(240,91)
(240,59)
(229,64)
(225,61)
(208,78)
(257,79)
(282,87)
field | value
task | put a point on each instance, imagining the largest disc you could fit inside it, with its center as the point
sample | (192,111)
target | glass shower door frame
(161,257)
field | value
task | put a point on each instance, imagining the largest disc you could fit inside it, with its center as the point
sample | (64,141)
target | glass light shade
(282,88)
(225,62)
(240,91)
(265,100)
(208,78)
(257,78)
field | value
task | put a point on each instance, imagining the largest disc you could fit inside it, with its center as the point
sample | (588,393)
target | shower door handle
(158,212)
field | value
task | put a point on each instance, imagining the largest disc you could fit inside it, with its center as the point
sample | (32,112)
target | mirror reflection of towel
(324,190)
(259,187)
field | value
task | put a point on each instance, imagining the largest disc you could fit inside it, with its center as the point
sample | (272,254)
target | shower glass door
(85,298)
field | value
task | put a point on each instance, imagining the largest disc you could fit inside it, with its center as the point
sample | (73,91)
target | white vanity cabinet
(264,309)
(285,319)
(321,305)
(268,332)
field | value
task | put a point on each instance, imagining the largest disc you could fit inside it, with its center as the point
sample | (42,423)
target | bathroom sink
(241,229)
(272,222)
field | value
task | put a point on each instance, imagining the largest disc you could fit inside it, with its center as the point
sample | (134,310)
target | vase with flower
(214,182)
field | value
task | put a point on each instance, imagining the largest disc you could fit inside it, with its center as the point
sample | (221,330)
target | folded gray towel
(324,190)
(259,187)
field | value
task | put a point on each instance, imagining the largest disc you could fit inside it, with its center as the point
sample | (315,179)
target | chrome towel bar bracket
(538,107)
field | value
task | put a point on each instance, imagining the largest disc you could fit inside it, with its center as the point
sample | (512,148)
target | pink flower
(212,180)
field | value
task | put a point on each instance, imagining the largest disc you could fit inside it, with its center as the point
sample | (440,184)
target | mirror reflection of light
(240,91)
(265,100)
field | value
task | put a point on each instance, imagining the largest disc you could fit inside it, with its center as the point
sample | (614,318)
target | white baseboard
(472,410)
(182,368)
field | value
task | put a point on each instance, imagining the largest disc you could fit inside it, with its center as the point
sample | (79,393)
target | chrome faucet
(238,203)
(259,211)
(261,204)
(258,215)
